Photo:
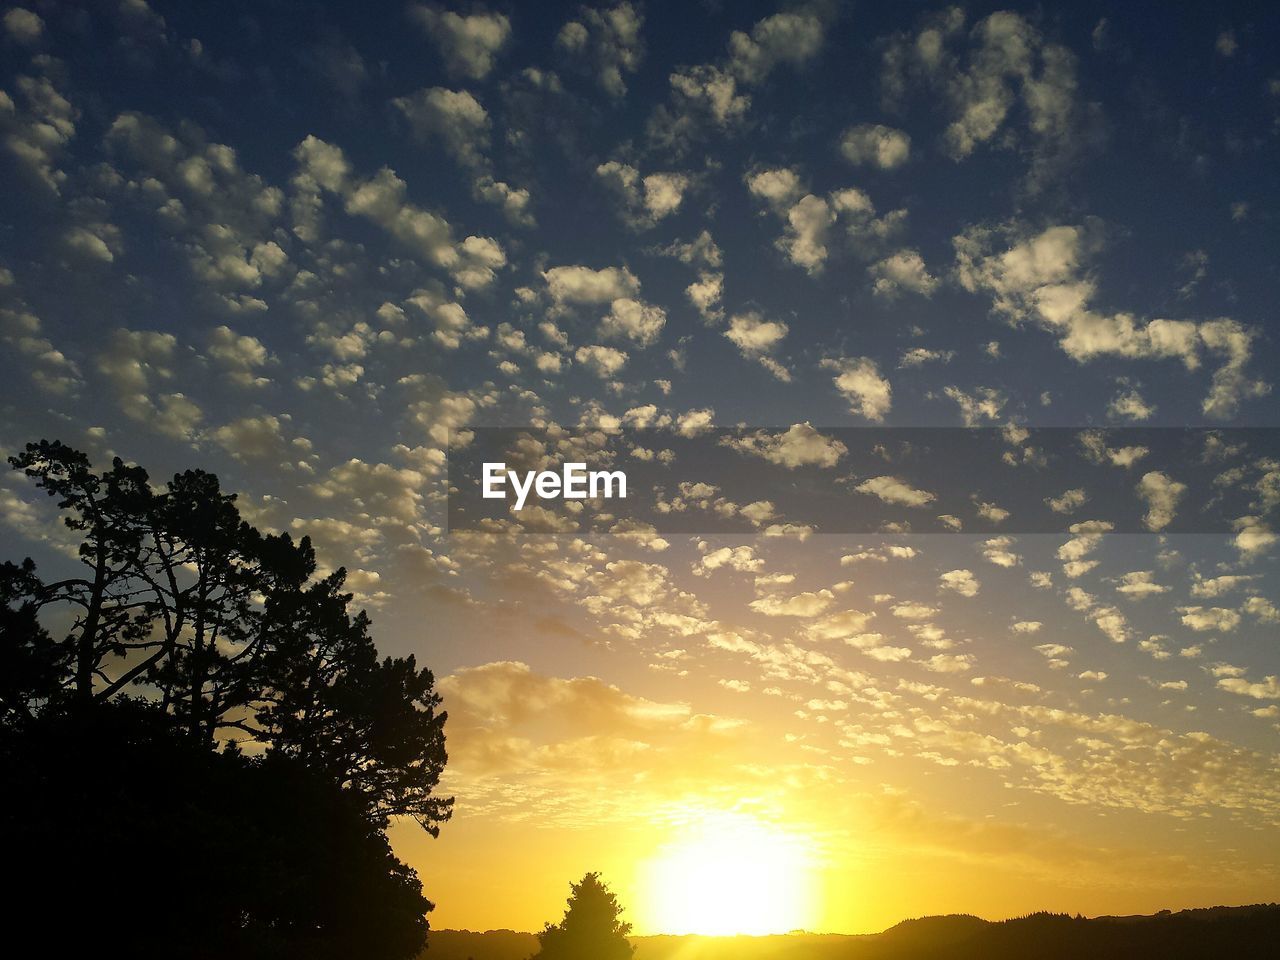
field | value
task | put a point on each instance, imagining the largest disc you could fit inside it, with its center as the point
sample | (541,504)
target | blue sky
(302,244)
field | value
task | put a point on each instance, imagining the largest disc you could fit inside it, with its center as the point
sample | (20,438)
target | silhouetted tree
(186,637)
(183,602)
(128,838)
(591,928)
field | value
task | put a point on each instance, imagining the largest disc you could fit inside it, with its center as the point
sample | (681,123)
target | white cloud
(607,42)
(604,362)
(633,320)
(645,199)
(904,270)
(962,582)
(801,445)
(1070,501)
(918,356)
(1140,583)
(895,491)
(808,604)
(583,285)
(382,199)
(1043,279)
(455,117)
(810,222)
(859,380)
(239,354)
(1253,536)
(875,145)
(469,44)
(36,135)
(997,551)
(1161,494)
(985,403)
(743,559)
(1268,689)
(756,338)
(1130,406)
(793,38)
(1202,619)
(988,77)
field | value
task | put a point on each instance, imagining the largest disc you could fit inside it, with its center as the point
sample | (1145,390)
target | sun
(729,874)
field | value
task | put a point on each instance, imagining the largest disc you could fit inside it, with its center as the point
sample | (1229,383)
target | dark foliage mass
(592,928)
(201,746)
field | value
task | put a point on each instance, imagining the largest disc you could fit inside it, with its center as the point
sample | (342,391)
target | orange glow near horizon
(728,874)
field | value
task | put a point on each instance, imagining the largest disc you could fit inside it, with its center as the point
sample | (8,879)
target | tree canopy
(194,678)
(592,928)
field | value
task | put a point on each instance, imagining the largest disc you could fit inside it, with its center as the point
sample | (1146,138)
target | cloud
(801,445)
(604,362)
(962,582)
(743,559)
(791,38)
(713,97)
(895,491)
(36,136)
(808,604)
(904,270)
(875,145)
(644,199)
(1070,501)
(858,379)
(1203,619)
(917,357)
(1253,536)
(1217,586)
(997,551)
(810,225)
(1043,279)
(949,663)
(455,117)
(1161,494)
(756,338)
(985,403)
(24,26)
(1130,406)
(1093,443)
(633,320)
(141,366)
(239,354)
(582,285)
(524,736)
(988,78)
(50,369)
(253,438)
(383,200)
(1139,583)
(842,625)
(1268,689)
(607,42)
(469,44)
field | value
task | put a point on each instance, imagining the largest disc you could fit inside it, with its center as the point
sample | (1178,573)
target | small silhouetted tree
(592,928)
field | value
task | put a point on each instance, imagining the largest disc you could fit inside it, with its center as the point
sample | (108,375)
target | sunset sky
(305,246)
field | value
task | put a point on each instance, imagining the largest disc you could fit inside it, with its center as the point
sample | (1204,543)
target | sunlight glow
(731,874)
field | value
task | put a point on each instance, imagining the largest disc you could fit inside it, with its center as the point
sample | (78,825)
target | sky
(311,247)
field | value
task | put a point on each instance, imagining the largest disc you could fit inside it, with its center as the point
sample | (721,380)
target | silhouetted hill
(1214,933)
